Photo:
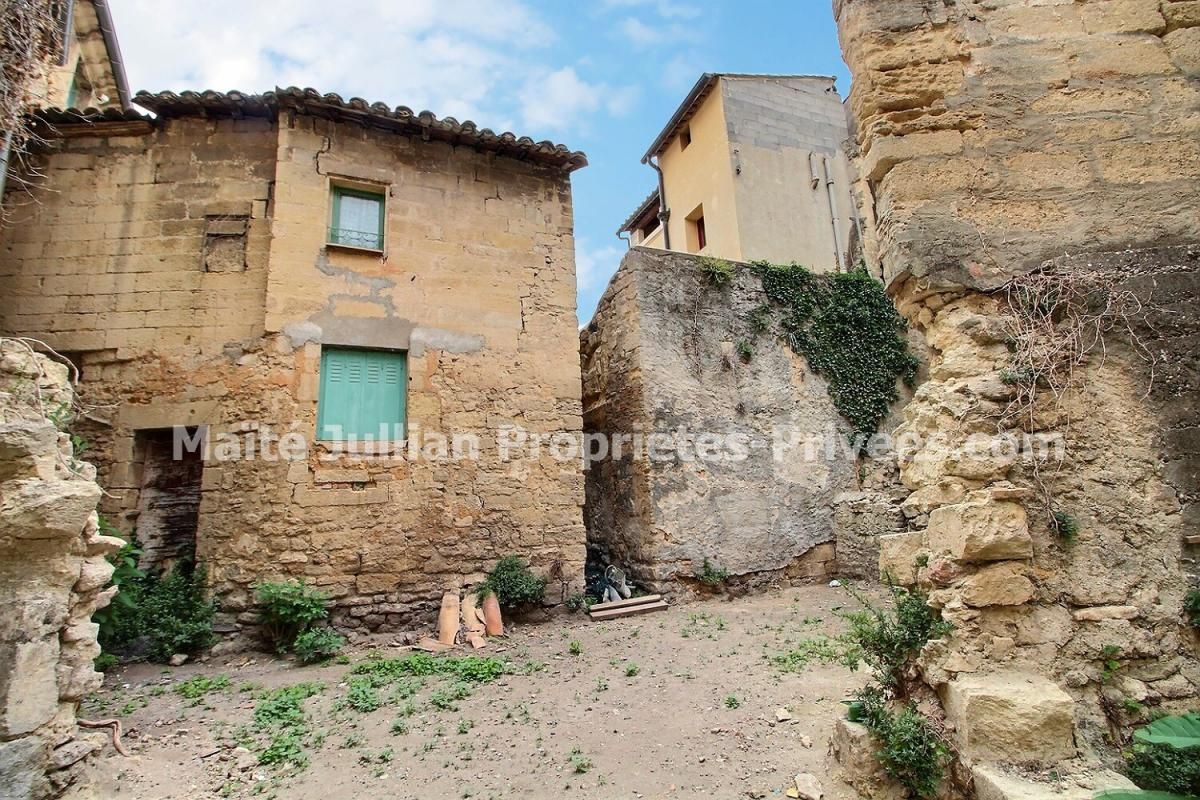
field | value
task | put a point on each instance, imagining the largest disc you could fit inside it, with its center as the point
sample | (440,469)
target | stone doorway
(168,508)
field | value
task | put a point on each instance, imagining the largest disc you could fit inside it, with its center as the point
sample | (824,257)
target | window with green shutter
(363,395)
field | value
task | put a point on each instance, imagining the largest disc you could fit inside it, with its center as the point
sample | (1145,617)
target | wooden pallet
(627,608)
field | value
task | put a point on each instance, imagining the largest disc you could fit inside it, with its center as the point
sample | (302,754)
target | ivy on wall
(845,325)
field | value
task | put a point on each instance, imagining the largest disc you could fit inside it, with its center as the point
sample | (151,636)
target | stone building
(660,359)
(752,167)
(241,267)
(1006,147)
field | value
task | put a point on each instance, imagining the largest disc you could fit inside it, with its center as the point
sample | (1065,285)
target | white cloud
(595,265)
(640,33)
(664,8)
(464,58)
(552,100)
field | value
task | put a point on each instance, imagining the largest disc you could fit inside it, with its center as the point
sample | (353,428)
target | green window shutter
(362,391)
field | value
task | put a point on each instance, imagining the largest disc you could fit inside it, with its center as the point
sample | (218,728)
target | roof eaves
(650,201)
(332,106)
(701,90)
(109,32)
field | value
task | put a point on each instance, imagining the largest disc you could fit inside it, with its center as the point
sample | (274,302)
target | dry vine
(1057,323)
(31,38)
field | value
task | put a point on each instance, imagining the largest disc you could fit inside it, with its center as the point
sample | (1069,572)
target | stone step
(993,782)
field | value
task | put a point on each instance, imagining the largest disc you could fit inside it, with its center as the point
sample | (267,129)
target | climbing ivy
(849,331)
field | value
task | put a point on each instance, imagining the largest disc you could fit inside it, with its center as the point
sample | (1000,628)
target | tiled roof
(331,106)
(650,201)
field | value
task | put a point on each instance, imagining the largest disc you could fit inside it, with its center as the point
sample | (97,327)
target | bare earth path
(682,703)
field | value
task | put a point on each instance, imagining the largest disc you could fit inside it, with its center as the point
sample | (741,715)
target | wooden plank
(1192,539)
(633,601)
(629,611)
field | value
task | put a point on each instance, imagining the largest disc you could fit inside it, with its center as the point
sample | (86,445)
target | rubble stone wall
(661,357)
(192,281)
(53,576)
(993,138)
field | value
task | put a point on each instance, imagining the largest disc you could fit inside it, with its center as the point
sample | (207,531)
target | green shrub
(1164,768)
(1191,607)
(126,577)
(887,641)
(712,575)
(288,609)
(318,644)
(911,751)
(513,584)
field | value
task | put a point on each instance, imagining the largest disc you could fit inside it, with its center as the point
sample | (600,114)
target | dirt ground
(682,703)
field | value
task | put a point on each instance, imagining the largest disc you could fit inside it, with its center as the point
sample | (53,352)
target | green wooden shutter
(362,390)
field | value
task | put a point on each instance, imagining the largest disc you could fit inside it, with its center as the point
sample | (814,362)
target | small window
(685,137)
(363,395)
(357,219)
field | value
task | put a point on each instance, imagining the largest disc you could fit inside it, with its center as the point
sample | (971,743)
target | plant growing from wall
(513,583)
(712,575)
(1065,526)
(888,641)
(844,324)
(912,751)
(912,748)
(1191,607)
(289,609)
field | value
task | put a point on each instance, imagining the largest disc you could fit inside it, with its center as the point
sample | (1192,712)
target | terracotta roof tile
(400,119)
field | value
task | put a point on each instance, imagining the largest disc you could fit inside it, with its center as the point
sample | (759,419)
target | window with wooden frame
(357,218)
(363,395)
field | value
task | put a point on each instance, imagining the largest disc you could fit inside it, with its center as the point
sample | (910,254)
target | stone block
(28,686)
(980,529)
(36,509)
(853,748)
(1123,16)
(898,554)
(996,783)
(1181,13)
(1098,613)
(887,153)
(997,585)
(1010,717)
(22,769)
(1184,47)
(27,450)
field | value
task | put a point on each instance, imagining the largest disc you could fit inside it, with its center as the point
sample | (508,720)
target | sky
(601,76)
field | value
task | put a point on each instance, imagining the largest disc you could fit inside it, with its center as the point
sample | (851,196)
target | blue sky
(602,77)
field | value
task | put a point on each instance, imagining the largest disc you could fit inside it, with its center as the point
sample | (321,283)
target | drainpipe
(664,213)
(833,213)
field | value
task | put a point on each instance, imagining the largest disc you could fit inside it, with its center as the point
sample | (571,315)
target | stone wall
(183,264)
(994,137)
(53,575)
(661,357)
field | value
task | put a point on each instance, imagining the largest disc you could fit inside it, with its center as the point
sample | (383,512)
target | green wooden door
(362,394)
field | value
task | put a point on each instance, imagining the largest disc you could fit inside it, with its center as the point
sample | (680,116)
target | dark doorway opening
(168,510)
